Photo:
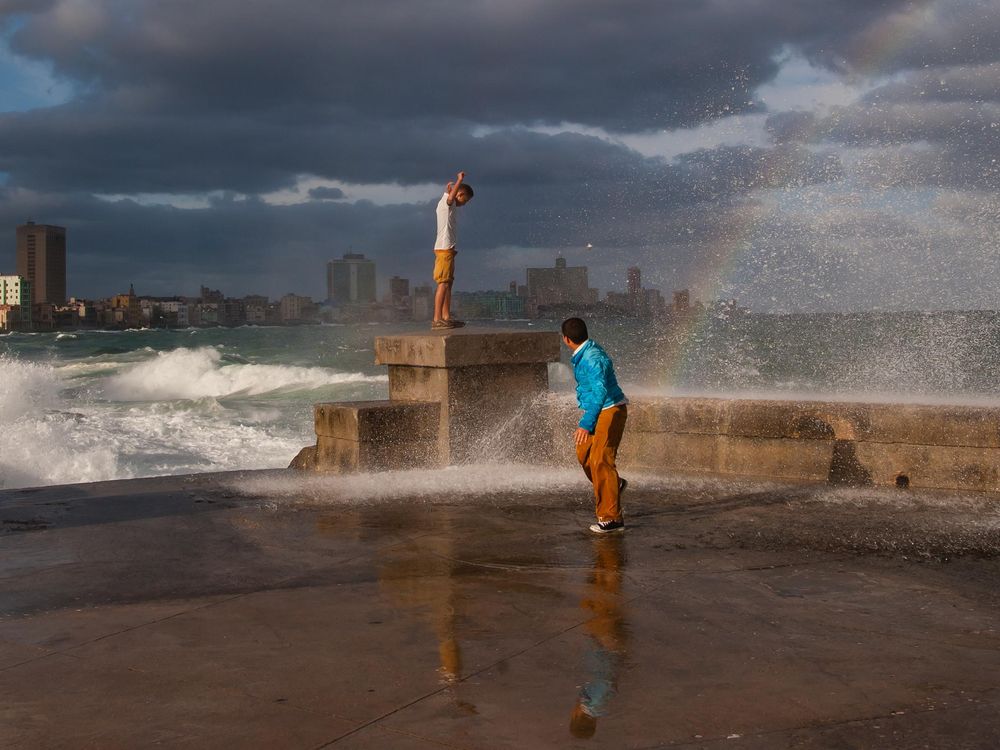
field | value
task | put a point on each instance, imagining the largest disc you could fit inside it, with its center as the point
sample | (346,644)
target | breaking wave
(189,374)
(146,413)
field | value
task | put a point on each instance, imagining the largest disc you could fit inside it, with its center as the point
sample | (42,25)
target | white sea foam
(39,444)
(199,373)
(508,481)
(25,388)
(426,484)
(161,416)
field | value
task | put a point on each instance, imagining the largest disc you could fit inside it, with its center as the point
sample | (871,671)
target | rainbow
(880,42)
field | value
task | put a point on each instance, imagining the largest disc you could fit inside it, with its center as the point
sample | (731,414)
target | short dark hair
(465,188)
(575,330)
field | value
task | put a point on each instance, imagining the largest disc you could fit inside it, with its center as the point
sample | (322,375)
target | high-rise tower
(351,280)
(41,259)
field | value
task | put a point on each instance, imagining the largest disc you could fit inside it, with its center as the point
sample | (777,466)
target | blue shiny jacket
(596,385)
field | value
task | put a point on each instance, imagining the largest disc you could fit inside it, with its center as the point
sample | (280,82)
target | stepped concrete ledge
(450,389)
(465,347)
(291,610)
(475,380)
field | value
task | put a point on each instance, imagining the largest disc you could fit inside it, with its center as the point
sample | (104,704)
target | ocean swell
(191,374)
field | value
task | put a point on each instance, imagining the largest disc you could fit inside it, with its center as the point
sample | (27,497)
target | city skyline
(351,296)
(367,281)
(834,156)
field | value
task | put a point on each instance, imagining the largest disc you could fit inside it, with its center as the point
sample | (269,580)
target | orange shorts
(444,266)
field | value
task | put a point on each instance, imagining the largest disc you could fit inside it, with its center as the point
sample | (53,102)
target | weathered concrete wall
(475,399)
(372,436)
(949,447)
(480,379)
(447,391)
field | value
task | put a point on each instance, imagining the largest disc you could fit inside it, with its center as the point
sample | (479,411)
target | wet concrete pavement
(264,610)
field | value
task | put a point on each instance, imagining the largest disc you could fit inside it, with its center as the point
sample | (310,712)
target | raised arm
(452,187)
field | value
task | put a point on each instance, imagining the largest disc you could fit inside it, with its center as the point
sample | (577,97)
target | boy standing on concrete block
(456,194)
(603,423)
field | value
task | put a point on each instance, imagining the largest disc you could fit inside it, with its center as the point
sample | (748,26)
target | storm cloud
(187,119)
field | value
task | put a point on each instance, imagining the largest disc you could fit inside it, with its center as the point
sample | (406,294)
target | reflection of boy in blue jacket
(603,423)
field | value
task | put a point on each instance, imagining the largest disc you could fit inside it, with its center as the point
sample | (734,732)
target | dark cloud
(327,194)
(244,98)
(933,127)
(905,36)
(637,66)
(193,96)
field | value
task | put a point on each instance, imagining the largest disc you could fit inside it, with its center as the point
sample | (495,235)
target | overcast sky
(794,154)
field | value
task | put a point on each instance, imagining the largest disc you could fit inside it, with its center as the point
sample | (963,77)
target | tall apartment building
(634,283)
(350,280)
(682,301)
(15,303)
(41,259)
(560,285)
(296,308)
(399,290)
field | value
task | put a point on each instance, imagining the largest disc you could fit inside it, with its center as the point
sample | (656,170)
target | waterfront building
(232,312)
(256,313)
(125,310)
(147,305)
(15,290)
(682,301)
(207,314)
(43,316)
(41,259)
(422,302)
(210,295)
(399,289)
(350,280)
(653,303)
(634,281)
(78,312)
(296,308)
(15,299)
(175,313)
(617,302)
(489,305)
(560,285)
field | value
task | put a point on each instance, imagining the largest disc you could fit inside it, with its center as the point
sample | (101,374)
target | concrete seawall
(944,447)
(468,396)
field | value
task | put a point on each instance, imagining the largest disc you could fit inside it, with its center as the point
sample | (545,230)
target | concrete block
(933,425)
(304,459)
(467,346)
(929,446)
(697,415)
(477,401)
(489,407)
(418,383)
(340,456)
(933,467)
(778,458)
(378,421)
(685,453)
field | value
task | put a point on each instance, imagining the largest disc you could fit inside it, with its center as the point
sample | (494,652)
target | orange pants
(597,457)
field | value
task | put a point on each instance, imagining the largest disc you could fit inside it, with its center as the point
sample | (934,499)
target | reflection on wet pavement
(608,631)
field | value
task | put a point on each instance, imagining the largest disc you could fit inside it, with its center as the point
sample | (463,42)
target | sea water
(91,405)
(85,406)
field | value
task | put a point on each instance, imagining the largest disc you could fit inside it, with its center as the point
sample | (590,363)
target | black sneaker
(622,485)
(606,527)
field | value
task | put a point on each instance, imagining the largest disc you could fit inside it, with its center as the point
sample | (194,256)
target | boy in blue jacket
(603,423)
